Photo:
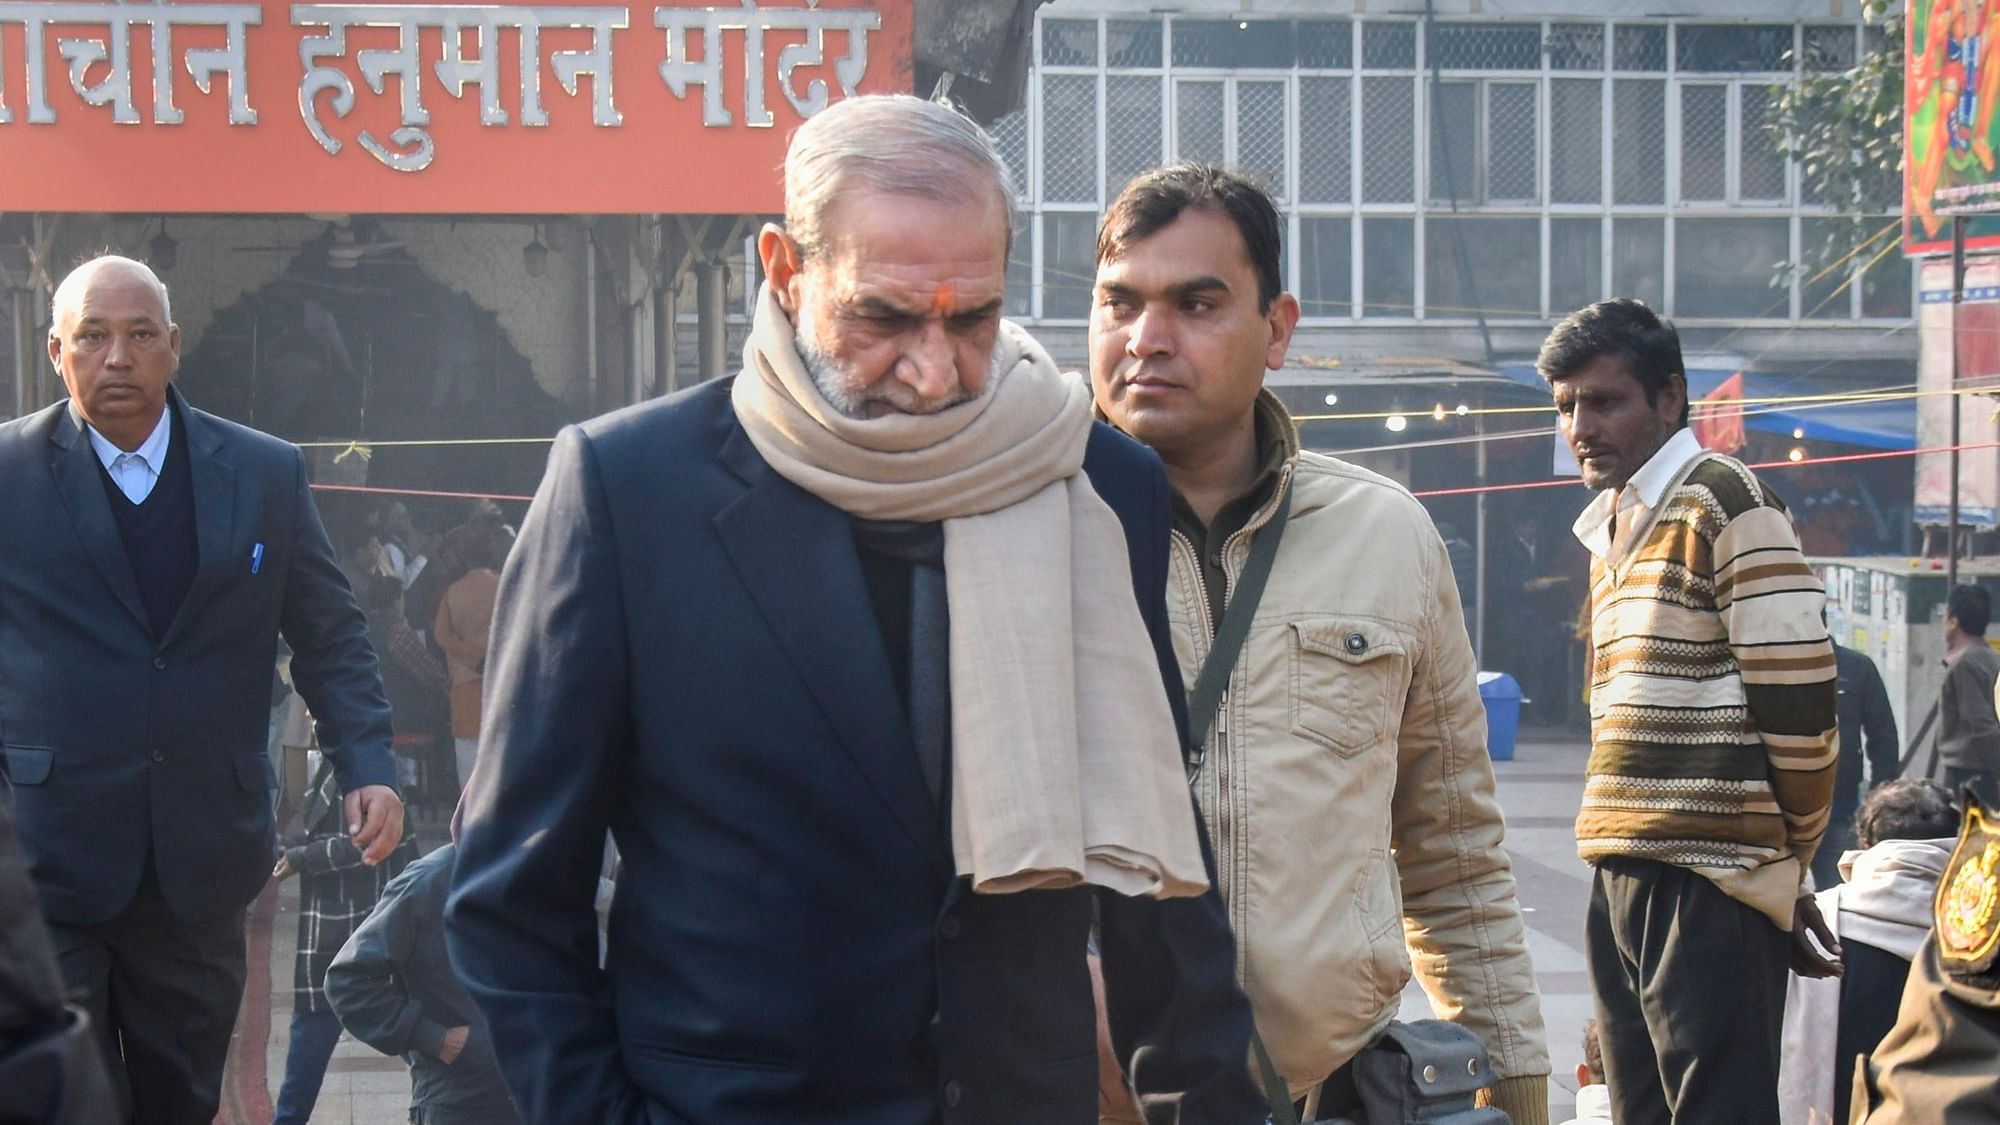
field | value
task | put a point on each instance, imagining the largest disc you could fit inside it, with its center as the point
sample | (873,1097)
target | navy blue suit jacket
(685,654)
(122,744)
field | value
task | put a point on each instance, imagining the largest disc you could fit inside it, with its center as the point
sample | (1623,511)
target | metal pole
(712,308)
(1957,299)
(1479,541)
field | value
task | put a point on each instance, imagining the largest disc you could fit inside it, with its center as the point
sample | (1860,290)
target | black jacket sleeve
(1878,726)
(367,983)
(1179,1023)
(521,923)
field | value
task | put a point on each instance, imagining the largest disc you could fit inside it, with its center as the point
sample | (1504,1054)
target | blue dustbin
(1502,695)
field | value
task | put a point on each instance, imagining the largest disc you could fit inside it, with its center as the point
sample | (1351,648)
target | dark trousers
(1839,839)
(162,993)
(1982,782)
(1690,991)
(314,1036)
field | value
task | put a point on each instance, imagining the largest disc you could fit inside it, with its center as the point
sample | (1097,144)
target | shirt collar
(1593,1103)
(1644,491)
(152,451)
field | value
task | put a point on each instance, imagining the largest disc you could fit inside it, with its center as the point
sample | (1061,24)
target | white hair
(895,144)
(71,290)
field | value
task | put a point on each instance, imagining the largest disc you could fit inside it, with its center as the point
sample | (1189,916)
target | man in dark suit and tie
(154,556)
(861,657)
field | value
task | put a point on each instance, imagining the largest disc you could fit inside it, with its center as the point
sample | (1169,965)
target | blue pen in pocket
(256,558)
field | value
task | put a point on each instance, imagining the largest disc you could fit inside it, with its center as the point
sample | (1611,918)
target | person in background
(154,556)
(393,988)
(1345,777)
(809,642)
(463,628)
(1712,712)
(1867,731)
(1936,1065)
(336,891)
(1593,1097)
(1968,731)
(1880,916)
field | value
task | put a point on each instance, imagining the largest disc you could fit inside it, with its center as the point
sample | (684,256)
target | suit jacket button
(948,929)
(954,1093)
(160,662)
(159,756)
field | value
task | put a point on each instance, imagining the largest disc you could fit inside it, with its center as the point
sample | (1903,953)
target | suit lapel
(796,555)
(78,482)
(215,514)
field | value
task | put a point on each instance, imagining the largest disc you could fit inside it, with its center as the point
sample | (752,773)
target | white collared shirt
(136,473)
(1633,503)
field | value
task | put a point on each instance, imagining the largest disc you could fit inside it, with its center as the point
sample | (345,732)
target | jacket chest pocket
(1348,682)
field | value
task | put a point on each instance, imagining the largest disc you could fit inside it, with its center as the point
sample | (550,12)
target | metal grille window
(1069,148)
(1324,283)
(1576,46)
(1639,46)
(1388,121)
(1574,159)
(1723,267)
(1132,43)
(1200,120)
(1483,142)
(1010,134)
(1639,141)
(1325,135)
(1234,44)
(1132,128)
(1389,267)
(1576,263)
(1487,46)
(1727,47)
(1576,148)
(1069,263)
(1261,130)
(1069,43)
(1484,263)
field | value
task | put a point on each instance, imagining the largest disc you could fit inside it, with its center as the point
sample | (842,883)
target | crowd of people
(980,743)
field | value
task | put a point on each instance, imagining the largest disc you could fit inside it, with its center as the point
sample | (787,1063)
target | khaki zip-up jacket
(1346,784)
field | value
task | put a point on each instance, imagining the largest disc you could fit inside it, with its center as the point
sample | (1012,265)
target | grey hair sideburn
(893,144)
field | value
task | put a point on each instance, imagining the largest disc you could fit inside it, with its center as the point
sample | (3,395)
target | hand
(374,821)
(454,1042)
(283,869)
(1114,1097)
(1807,924)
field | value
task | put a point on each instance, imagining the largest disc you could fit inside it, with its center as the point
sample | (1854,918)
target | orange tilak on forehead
(944,301)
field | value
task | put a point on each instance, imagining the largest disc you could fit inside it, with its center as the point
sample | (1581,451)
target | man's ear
(783,261)
(1282,319)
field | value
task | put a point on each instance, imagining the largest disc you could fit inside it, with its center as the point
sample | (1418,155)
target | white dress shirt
(136,473)
(1628,508)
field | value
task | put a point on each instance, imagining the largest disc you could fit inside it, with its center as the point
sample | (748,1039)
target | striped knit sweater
(1712,693)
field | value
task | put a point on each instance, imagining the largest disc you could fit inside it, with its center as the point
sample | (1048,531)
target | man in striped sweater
(1712,696)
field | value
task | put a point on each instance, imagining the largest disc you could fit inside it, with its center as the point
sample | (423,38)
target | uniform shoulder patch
(1968,896)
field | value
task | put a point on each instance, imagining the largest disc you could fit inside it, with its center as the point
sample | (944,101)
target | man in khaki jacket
(1345,780)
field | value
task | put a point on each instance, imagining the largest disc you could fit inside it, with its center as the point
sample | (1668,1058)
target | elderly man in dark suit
(154,556)
(861,657)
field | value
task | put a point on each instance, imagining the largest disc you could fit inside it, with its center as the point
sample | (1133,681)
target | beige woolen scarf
(1064,762)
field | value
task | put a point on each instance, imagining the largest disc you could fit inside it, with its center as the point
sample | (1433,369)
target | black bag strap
(1205,701)
(1206,698)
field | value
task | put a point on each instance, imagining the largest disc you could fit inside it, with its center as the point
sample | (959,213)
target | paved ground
(1539,790)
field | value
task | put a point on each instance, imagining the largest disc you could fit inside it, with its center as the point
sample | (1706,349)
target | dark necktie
(921,545)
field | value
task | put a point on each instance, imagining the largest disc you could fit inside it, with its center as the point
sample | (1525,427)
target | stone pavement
(1539,790)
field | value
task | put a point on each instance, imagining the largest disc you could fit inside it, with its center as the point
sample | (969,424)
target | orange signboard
(554,107)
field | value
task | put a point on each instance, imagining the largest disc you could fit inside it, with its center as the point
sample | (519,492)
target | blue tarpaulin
(1887,424)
